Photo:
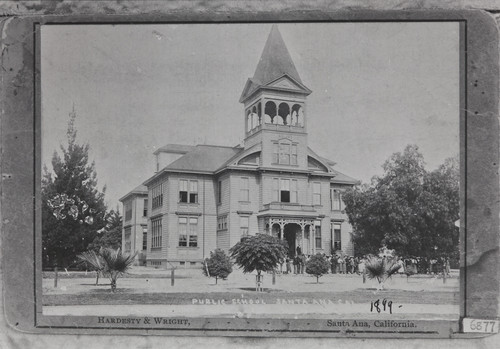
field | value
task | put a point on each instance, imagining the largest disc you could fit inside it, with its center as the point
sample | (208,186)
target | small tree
(317,265)
(260,252)
(381,269)
(218,265)
(116,263)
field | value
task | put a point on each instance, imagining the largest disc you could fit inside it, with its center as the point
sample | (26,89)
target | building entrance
(290,236)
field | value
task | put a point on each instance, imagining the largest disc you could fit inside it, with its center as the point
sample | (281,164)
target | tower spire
(275,60)
(275,63)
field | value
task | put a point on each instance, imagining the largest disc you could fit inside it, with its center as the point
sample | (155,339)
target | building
(205,197)
(135,222)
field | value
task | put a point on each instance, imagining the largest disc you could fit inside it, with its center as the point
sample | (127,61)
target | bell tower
(274,101)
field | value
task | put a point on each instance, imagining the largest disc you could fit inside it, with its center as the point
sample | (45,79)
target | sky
(376,88)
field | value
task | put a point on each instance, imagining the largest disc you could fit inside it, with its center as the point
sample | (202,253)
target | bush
(218,265)
(317,265)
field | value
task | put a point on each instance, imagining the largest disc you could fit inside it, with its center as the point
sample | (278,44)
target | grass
(128,297)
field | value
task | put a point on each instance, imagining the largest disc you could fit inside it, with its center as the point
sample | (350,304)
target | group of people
(338,264)
(347,264)
(426,265)
(343,264)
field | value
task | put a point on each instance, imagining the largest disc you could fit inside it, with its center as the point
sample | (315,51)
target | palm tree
(117,263)
(93,261)
(381,268)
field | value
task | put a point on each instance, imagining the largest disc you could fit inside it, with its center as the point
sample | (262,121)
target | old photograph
(251,170)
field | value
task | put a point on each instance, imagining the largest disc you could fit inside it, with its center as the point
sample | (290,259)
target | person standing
(288,265)
(341,264)
(302,263)
(333,264)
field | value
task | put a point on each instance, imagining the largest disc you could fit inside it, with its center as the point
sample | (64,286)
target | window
(276,192)
(293,191)
(127,232)
(127,246)
(156,230)
(157,196)
(128,211)
(188,191)
(336,237)
(219,192)
(285,153)
(316,193)
(144,239)
(294,154)
(188,232)
(336,197)
(285,190)
(244,223)
(317,233)
(222,223)
(244,189)
(145,209)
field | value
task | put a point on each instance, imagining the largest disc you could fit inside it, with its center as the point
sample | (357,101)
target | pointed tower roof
(275,62)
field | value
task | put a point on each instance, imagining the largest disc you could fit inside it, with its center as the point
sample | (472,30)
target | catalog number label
(480,326)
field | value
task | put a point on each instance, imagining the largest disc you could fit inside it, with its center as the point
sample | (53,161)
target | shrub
(317,265)
(218,265)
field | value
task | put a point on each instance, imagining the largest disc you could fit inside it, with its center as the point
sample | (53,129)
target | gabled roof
(344,179)
(275,63)
(139,190)
(338,177)
(204,158)
(240,155)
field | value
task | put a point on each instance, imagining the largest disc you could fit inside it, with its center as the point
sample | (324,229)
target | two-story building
(205,197)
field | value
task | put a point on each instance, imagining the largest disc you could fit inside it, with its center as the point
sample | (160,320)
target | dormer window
(285,153)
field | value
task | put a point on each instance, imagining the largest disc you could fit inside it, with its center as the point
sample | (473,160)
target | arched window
(283,112)
(297,115)
(301,118)
(249,121)
(259,113)
(270,112)
(255,117)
